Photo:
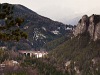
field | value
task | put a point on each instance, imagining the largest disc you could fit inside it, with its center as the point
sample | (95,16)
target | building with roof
(37,54)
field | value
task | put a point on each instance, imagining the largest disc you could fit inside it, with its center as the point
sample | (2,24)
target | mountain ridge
(40,29)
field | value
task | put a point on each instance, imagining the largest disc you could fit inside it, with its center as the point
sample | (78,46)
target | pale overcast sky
(60,10)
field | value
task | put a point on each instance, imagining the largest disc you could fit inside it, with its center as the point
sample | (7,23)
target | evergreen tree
(10,29)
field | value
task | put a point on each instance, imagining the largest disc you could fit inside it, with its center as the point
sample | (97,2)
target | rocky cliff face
(89,24)
(82,26)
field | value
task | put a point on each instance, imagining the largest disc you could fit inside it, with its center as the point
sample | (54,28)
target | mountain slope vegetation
(82,53)
(53,44)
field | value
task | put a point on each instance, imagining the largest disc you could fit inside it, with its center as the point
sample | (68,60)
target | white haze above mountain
(66,11)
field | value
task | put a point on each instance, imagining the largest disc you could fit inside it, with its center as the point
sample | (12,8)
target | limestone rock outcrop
(89,24)
(81,26)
